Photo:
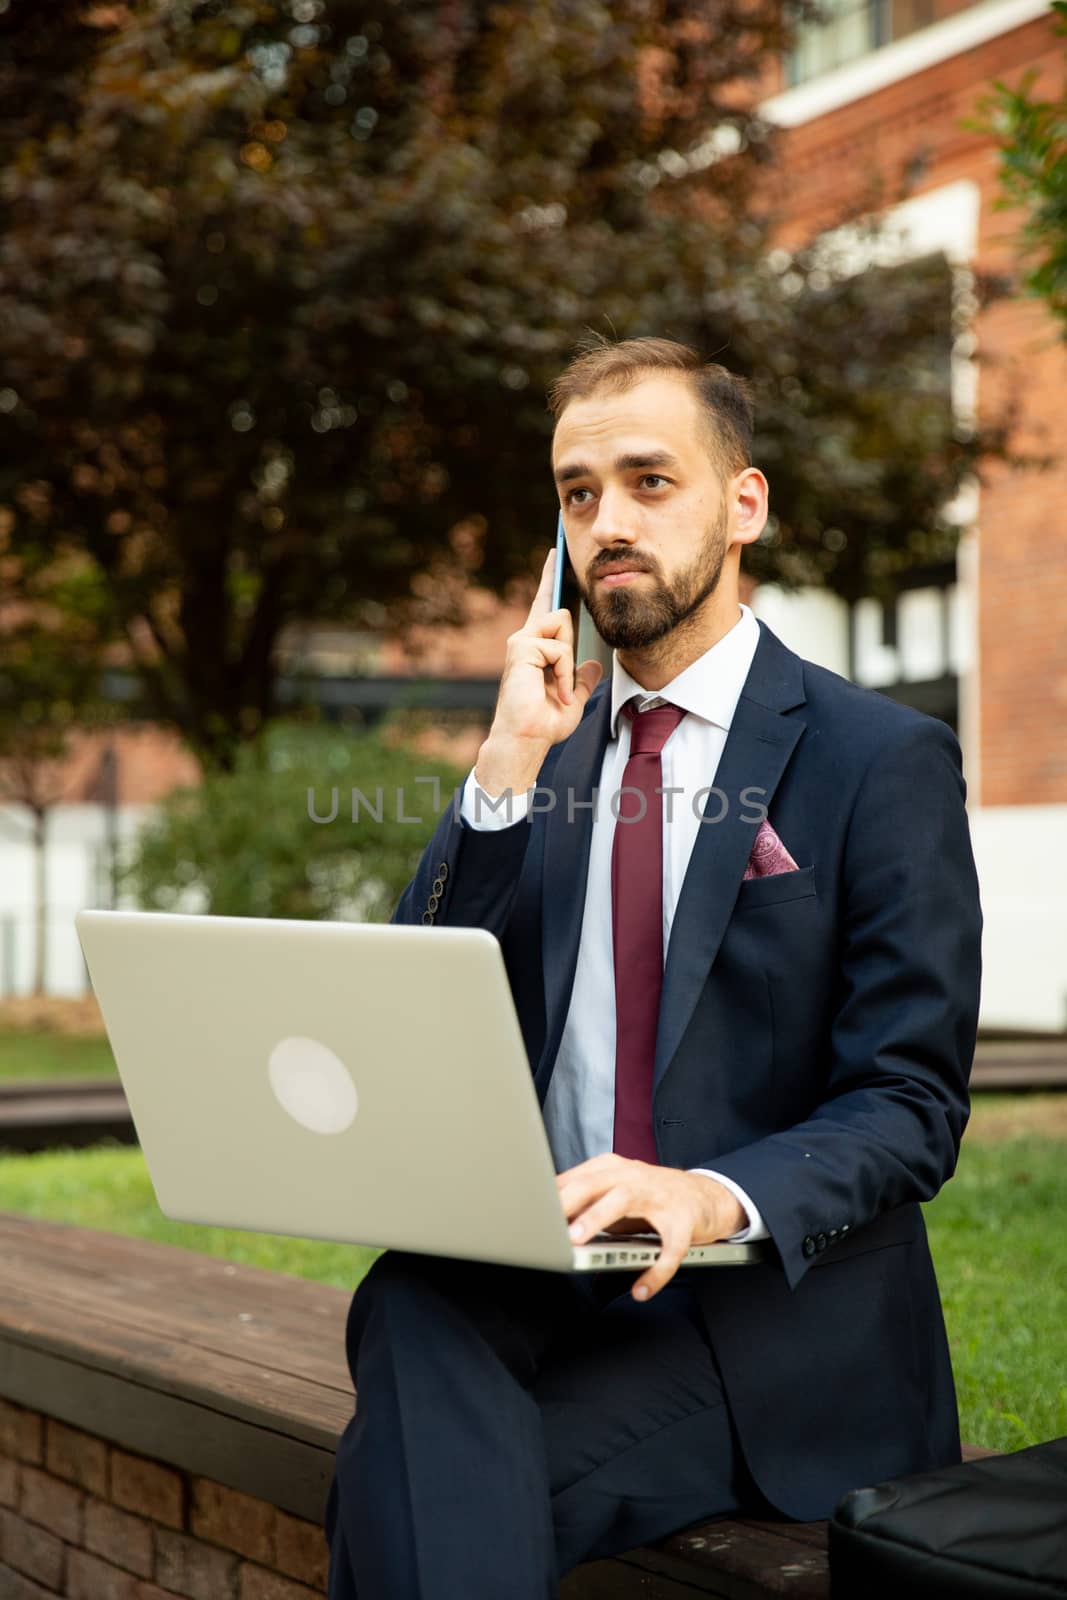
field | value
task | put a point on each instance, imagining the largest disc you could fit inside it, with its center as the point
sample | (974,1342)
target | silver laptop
(358,1082)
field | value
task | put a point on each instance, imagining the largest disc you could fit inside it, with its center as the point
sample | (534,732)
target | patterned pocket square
(769,855)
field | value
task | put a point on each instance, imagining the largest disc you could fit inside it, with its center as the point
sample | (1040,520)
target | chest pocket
(775,889)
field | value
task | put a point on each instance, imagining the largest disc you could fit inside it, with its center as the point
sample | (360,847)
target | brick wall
(1021,603)
(82,1518)
(1022,567)
(919,118)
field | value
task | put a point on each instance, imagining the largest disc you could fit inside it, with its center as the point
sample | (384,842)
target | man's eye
(645,477)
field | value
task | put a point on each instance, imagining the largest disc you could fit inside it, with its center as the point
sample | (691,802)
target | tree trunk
(40,829)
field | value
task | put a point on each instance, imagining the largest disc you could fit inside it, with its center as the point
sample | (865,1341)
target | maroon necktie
(637,927)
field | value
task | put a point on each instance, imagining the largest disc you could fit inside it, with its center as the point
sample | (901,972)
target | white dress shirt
(579,1110)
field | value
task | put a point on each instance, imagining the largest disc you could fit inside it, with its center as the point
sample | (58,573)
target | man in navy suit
(783,1034)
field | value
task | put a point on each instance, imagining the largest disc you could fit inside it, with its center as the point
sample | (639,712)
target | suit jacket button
(808,1246)
(844,1228)
(438,886)
(832,1235)
(442,871)
(427,916)
(820,1241)
(432,903)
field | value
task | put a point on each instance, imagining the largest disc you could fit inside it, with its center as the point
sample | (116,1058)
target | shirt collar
(708,687)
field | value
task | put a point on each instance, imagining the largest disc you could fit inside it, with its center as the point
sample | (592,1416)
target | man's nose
(614,522)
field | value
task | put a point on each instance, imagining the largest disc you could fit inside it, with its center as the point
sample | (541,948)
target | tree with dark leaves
(283,284)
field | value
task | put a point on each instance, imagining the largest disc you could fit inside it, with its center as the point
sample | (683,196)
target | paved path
(1021,1064)
(42,1116)
(76,1112)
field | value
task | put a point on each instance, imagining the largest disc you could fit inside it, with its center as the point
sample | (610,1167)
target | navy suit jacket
(815,1039)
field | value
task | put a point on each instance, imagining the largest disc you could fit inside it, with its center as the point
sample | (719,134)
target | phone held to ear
(561,562)
(557,576)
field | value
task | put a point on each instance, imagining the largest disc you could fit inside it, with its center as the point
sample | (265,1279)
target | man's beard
(632,617)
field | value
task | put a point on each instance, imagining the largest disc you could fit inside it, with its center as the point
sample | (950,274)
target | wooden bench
(224,1388)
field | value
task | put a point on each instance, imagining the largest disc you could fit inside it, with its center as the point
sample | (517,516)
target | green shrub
(247,842)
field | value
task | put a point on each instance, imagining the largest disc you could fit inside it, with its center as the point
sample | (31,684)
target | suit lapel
(758,747)
(566,867)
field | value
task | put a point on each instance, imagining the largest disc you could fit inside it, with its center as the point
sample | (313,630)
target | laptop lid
(358,1082)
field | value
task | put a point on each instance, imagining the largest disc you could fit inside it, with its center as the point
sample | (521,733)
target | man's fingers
(600,1192)
(561,664)
(554,625)
(594,1164)
(662,1270)
(580,1185)
(542,600)
(594,1205)
(594,1218)
(542,620)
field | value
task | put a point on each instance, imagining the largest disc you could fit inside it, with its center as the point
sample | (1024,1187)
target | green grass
(997,1237)
(29,1054)
(996,1232)
(108,1187)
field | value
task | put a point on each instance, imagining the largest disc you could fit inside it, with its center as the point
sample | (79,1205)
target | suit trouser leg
(510,1424)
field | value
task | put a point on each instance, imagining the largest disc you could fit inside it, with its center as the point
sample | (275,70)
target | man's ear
(749,495)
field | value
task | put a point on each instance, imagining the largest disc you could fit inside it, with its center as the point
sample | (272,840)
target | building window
(850,30)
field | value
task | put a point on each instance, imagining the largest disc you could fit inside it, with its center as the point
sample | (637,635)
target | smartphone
(565,591)
(561,562)
(562,569)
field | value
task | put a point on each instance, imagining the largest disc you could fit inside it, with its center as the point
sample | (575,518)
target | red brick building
(878,87)
(878,111)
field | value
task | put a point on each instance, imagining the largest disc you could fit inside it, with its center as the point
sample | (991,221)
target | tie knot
(651,729)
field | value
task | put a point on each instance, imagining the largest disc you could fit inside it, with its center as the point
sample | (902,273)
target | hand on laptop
(614,1194)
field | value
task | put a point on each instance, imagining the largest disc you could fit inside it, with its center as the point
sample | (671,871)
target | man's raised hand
(541,696)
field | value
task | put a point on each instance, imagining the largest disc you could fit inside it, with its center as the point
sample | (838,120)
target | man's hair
(724,397)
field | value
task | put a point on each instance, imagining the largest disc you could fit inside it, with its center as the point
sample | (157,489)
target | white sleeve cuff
(479,810)
(757,1228)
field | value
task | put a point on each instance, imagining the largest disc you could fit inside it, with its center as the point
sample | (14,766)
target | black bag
(994,1529)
